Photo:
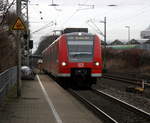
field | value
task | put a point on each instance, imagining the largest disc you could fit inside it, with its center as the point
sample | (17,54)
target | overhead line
(43,27)
(132,17)
(74,13)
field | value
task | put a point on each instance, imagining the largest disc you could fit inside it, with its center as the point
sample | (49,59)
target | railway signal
(30,44)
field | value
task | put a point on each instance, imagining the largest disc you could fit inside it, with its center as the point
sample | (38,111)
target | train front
(82,62)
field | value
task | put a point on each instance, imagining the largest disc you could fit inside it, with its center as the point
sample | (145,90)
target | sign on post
(19,25)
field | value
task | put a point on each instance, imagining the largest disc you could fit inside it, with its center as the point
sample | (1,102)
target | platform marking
(57,117)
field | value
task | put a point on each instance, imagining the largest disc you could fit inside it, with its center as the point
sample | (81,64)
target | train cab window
(80,48)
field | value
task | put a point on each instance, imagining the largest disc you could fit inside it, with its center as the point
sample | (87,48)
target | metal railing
(8,79)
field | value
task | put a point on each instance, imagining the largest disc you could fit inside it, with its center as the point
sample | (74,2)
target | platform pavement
(30,108)
(54,105)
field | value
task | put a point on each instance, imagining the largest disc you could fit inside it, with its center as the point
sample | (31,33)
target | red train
(75,57)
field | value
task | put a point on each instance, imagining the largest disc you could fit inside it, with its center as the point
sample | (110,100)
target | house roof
(147,42)
(133,41)
(116,42)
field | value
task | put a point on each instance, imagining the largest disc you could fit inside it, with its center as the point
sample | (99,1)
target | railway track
(111,109)
(127,80)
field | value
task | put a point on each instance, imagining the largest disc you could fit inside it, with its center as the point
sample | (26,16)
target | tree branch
(6,9)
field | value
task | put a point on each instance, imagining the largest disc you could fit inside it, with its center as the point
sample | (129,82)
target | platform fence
(8,79)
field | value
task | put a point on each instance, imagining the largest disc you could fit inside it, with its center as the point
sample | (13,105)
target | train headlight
(97,63)
(79,33)
(63,63)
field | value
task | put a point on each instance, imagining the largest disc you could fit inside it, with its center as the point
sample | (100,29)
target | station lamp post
(104,34)
(128,27)
(53,4)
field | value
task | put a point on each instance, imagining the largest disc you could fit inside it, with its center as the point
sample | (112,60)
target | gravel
(119,113)
(118,90)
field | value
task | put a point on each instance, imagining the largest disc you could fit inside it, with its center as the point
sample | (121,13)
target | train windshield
(80,49)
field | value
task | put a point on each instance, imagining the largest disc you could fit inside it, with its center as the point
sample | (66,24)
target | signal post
(18,27)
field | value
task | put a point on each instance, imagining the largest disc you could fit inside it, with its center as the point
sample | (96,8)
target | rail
(7,80)
(109,108)
(94,108)
(125,104)
(127,80)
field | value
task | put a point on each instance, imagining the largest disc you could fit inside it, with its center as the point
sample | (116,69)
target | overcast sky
(133,13)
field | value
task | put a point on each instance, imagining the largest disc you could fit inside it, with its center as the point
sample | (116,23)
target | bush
(131,58)
(7,44)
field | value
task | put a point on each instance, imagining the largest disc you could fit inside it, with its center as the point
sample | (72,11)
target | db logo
(80,64)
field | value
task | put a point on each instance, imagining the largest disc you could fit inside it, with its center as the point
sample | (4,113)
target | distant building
(116,42)
(145,34)
(133,41)
(147,42)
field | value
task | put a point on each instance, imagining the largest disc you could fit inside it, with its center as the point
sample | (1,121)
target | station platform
(44,101)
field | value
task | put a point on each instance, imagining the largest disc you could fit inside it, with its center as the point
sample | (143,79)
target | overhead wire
(73,14)
(43,27)
(69,18)
(96,28)
(46,25)
(132,16)
(127,18)
(112,7)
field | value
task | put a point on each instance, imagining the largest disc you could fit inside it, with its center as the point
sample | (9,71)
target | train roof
(79,33)
(70,34)
(70,30)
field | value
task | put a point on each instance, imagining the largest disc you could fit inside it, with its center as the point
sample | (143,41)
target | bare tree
(1,5)
(4,9)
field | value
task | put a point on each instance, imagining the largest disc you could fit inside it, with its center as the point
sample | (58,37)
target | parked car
(27,73)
